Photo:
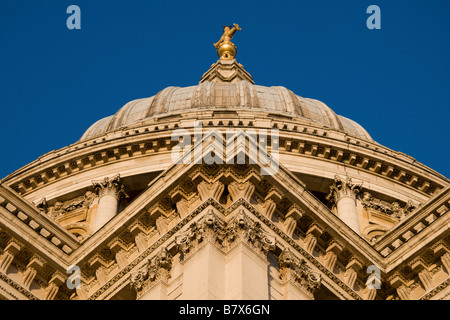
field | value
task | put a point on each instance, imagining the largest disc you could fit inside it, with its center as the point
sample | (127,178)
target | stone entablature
(309,241)
(434,212)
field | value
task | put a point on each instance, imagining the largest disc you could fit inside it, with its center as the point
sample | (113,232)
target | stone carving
(60,208)
(394,208)
(193,235)
(293,268)
(157,268)
(110,186)
(212,228)
(226,50)
(342,188)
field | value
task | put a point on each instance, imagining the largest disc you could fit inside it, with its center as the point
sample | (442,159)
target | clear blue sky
(56,82)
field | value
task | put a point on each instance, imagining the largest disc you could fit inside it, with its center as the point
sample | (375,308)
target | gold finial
(226,50)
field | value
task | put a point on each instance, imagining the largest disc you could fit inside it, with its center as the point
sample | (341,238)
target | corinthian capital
(343,187)
(110,186)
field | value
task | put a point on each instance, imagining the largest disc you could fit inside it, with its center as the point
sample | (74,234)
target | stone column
(11,249)
(343,193)
(300,282)
(109,191)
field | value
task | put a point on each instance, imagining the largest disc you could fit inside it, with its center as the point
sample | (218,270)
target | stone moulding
(210,222)
(152,248)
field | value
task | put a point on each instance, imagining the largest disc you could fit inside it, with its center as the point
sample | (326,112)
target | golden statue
(226,50)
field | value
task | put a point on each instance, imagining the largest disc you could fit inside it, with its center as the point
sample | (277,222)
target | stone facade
(342,218)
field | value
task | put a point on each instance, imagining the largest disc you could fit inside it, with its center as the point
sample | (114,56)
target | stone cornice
(171,176)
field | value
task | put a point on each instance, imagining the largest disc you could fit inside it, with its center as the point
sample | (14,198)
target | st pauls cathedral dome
(337,216)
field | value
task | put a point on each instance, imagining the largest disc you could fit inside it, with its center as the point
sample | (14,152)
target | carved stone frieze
(157,268)
(343,187)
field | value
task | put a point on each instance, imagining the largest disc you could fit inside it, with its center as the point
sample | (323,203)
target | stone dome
(234,95)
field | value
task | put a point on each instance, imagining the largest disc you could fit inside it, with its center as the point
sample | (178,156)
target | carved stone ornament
(60,208)
(343,187)
(212,228)
(251,231)
(293,268)
(157,268)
